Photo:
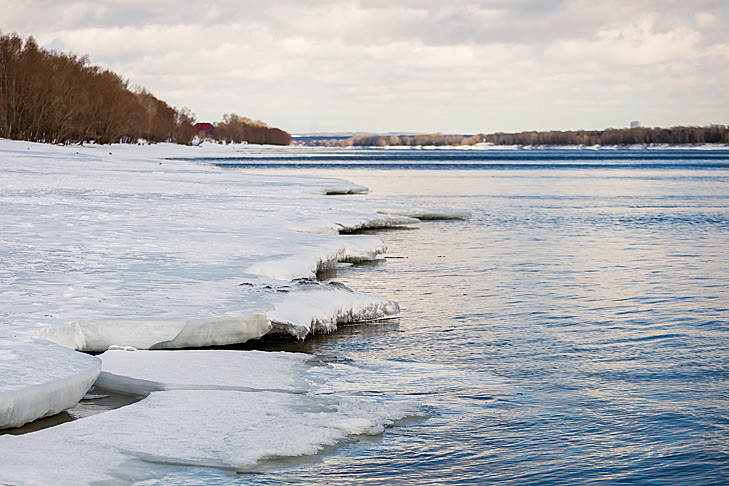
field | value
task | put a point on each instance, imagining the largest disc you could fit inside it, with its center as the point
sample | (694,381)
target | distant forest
(610,136)
(60,98)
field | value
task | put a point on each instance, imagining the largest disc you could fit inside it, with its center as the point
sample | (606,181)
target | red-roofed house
(204,128)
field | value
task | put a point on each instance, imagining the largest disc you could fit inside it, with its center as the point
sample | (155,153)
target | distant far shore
(637,136)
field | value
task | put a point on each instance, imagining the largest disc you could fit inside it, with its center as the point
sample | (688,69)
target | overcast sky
(404,65)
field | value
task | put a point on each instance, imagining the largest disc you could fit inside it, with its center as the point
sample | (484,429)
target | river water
(574,330)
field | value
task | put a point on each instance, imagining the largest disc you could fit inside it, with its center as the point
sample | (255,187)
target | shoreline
(287,283)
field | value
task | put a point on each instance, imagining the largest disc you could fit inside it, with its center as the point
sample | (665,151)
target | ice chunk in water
(40,378)
(317,308)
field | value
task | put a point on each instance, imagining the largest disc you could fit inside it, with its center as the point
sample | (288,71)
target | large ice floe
(228,410)
(120,247)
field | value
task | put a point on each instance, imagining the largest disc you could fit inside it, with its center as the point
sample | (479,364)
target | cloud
(636,43)
(426,65)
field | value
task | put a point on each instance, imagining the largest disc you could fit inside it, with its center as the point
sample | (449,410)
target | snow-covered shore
(111,248)
(118,246)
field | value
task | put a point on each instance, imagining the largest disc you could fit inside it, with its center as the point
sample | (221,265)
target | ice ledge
(300,307)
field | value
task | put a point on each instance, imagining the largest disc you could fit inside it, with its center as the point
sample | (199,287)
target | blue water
(575,330)
(439,159)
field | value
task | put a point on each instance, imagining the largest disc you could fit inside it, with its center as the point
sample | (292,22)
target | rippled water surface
(575,330)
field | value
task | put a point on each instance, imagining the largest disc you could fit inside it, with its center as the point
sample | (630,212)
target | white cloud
(427,65)
(633,44)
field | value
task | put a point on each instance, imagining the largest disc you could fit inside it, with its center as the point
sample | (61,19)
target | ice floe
(298,307)
(40,378)
(325,306)
(213,428)
(205,408)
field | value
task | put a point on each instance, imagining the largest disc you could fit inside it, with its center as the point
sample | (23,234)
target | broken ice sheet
(213,413)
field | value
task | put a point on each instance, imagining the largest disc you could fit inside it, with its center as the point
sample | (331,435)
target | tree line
(611,136)
(239,129)
(60,98)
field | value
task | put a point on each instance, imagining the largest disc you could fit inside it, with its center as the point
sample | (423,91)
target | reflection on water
(574,330)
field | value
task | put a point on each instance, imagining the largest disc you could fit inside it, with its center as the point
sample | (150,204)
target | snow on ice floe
(205,408)
(40,378)
(308,261)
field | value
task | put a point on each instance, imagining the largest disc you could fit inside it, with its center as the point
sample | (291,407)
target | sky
(425,66)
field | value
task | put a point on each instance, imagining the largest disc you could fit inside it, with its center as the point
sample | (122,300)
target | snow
(213,428)
(308,262)
(40,378)
(335,304)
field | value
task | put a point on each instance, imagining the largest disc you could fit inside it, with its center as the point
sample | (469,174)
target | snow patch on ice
(343,189)
(320,308)
(97,336)
(371,222)
(218,331)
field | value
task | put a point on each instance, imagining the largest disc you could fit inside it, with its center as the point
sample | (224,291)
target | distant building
(203,128)
(635,124)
